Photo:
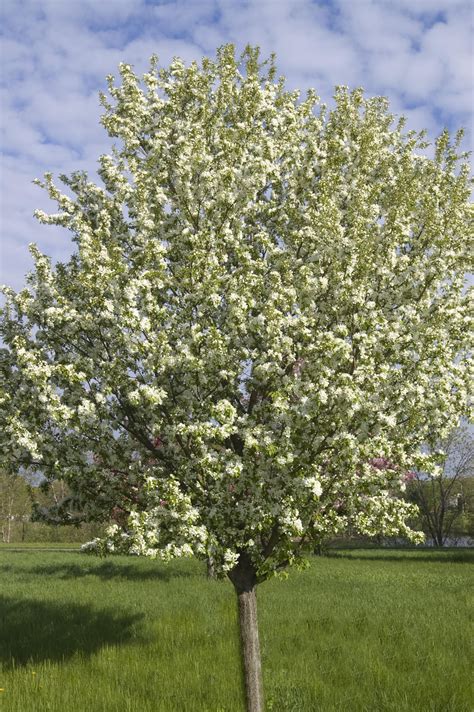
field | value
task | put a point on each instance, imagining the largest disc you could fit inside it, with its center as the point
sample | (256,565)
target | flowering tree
(264,295)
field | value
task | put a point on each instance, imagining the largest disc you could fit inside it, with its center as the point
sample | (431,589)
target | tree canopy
(265,298)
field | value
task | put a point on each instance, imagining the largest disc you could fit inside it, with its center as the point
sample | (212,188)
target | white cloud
(56,54)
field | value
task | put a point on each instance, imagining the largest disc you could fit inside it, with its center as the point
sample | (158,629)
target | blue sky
(55,55)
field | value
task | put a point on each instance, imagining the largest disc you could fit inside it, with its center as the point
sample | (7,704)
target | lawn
(372,630)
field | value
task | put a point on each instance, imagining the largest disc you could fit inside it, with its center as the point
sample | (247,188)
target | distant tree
(444,497)
(265,296)
(55,518)
(15,504)
(464,525)
(51,500)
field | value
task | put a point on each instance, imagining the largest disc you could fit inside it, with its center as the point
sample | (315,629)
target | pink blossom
(381,463)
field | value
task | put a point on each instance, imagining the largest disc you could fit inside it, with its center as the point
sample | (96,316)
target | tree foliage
(265,296)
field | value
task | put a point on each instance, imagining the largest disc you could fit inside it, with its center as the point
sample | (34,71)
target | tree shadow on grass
(446,557)
(106,571)
(33,631)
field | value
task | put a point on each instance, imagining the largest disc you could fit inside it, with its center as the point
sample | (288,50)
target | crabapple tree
(265,296)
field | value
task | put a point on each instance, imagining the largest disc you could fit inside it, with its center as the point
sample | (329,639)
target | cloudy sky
(55,55)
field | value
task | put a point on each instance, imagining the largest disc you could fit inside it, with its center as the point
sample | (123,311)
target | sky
(55,55)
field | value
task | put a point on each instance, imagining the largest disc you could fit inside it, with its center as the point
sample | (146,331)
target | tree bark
(247,602)
(211,570)
(244,579)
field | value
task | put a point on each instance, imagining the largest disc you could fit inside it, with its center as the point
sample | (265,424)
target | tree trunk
(247,601)
(10,515)
(244,579)
(211,569)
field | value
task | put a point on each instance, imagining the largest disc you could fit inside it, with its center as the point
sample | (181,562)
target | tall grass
(373,631)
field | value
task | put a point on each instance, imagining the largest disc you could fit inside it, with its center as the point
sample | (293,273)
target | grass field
(372,630)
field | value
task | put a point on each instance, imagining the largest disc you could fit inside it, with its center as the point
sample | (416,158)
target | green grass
(46,545)
(373,630)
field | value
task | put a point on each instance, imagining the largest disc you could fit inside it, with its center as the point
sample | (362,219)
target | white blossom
(264,320)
